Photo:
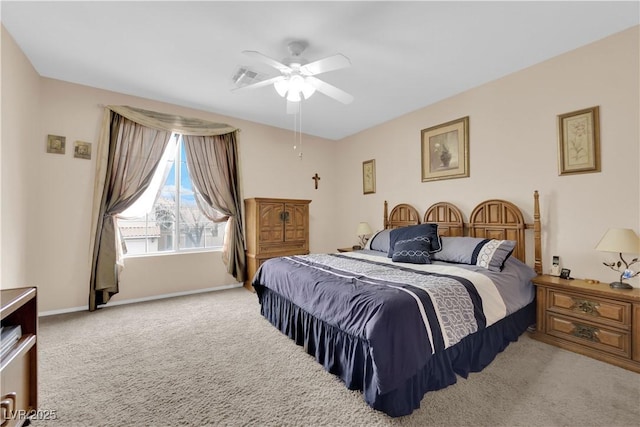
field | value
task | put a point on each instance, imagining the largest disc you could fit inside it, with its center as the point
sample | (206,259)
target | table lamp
(621,240)
(363,231)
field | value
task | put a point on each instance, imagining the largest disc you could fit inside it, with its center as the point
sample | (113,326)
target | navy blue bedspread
(379,335)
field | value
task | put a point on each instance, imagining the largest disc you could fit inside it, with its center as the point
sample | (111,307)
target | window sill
(163,254)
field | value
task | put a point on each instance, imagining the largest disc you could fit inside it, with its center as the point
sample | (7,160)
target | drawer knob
(586,332)
(586,306)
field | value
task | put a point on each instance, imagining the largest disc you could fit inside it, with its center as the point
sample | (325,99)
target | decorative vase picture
(445,150)
(445,158)
(441,147)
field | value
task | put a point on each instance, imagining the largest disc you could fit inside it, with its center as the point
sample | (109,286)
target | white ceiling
(404,55)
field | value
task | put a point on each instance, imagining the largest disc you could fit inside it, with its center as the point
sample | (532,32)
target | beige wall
(513,151)
(46,242)
(20,118)
(46,198)
(269,167)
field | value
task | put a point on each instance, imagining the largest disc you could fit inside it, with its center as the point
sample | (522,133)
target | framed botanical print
(369,177)
(445,150)
(579,141)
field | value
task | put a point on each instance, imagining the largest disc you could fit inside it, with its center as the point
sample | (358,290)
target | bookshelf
(19,365)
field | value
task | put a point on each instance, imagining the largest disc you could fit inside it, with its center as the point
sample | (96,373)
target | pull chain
(300,129)
(297,129)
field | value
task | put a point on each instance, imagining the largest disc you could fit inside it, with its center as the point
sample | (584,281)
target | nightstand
(589,318)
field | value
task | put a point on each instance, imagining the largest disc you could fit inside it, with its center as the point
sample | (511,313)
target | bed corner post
(386,215)
(537,233)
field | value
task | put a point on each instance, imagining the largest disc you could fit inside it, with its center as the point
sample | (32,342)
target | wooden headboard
(491,219)
(401,215)
(448,217)
(499,219)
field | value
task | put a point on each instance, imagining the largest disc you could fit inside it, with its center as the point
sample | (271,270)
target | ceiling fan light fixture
(296,83)
(294,96)
(281,86)
(294,88)
(308,90)
(297,79)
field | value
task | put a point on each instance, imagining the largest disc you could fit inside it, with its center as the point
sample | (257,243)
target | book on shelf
(9,335)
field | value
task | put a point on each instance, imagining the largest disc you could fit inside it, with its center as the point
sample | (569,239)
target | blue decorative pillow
(487,253)
(415,251)
(405,233)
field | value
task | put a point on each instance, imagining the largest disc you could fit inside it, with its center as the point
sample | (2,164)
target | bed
(428,299)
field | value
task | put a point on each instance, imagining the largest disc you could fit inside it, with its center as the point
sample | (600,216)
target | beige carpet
(211,359)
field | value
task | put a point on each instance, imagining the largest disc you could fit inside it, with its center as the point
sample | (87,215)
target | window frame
(176,233)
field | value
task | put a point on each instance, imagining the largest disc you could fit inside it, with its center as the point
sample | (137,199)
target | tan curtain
(212,162)
(133,152)
(129,149)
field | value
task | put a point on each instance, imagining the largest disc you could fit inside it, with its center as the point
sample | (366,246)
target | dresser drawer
(281,249)
(590,334)
(609,312)
(16,380)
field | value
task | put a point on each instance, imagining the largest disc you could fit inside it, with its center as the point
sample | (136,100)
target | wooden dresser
(589,318)
(19,365)
(274,227)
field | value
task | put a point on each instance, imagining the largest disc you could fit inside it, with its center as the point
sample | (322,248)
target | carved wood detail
(448,217)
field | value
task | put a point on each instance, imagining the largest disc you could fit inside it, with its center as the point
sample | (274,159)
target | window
(167,218)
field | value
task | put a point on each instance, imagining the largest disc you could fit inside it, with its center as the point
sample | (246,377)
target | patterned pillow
(491,254)
(414,251)
(487,253)
(426,230)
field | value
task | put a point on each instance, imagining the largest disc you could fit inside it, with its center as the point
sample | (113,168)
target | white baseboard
(143,299)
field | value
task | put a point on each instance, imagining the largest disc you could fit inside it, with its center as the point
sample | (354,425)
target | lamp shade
(622,240)
(363,229)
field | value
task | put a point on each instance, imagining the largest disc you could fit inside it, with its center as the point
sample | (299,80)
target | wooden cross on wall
(316,178)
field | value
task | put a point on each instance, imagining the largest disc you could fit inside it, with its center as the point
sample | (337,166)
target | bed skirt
(349,357)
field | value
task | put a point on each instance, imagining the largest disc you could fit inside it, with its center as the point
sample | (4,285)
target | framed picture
(445,150)
(82,150)
(579,141)
(369,177)
(56,144)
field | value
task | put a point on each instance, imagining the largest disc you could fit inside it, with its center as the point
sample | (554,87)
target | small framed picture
(565,273)
(445,150)
(56,144)
(82,150)
(369,177)
(579,141)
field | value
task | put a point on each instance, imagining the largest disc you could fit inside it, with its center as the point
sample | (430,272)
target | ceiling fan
(297,76)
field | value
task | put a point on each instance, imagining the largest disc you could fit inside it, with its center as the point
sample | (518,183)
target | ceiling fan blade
(330,90)
(330,63)
(267,60)
(293,107)
(259,84)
